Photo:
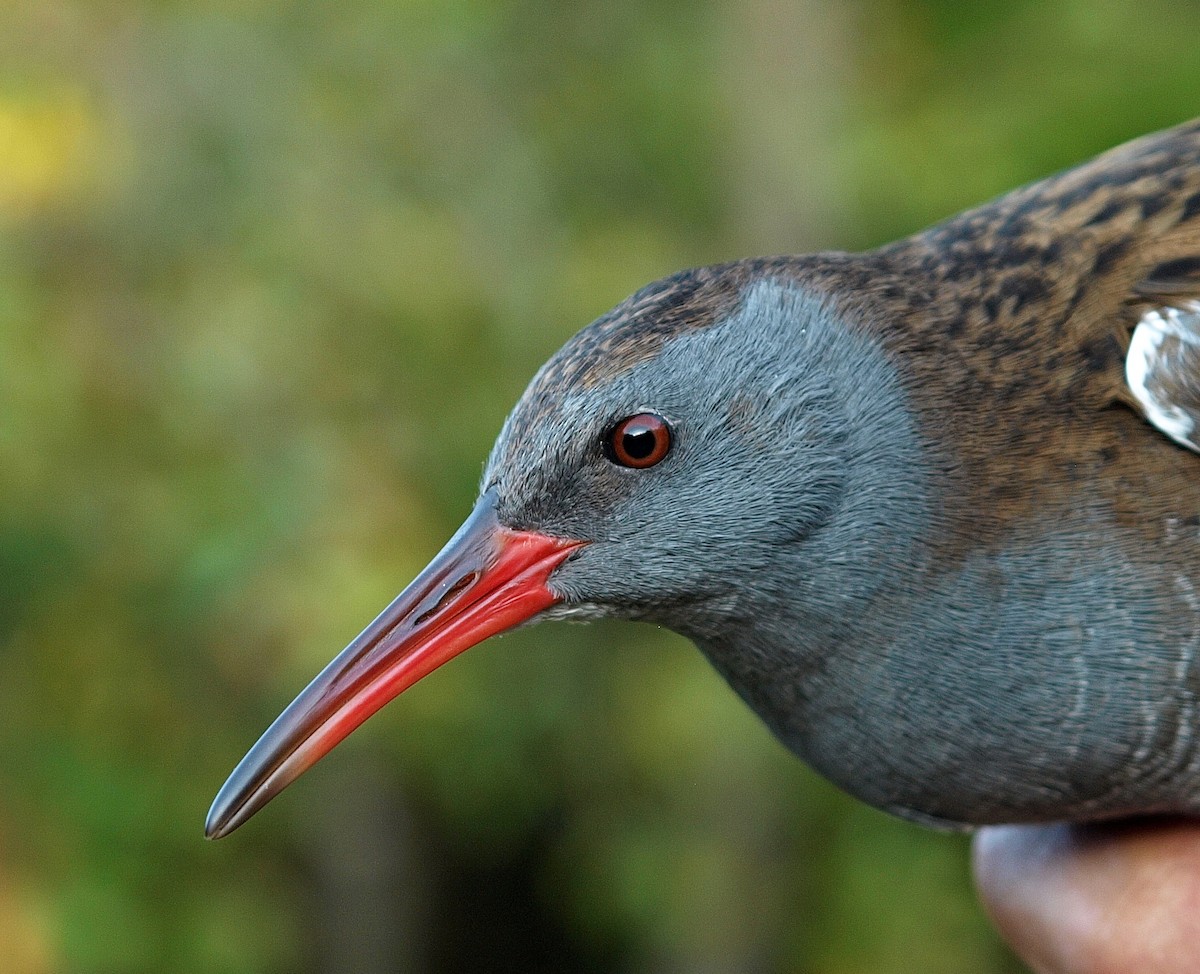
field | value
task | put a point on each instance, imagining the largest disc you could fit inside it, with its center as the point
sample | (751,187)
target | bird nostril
(448,596)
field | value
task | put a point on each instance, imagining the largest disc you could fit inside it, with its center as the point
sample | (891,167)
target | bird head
(695,458)
(671,437)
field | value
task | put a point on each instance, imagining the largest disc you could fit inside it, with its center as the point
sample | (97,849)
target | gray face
(770,438)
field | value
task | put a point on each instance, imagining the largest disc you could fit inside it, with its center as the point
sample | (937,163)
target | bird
(932,510)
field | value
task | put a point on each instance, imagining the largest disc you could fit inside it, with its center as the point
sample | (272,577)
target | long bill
(486,580)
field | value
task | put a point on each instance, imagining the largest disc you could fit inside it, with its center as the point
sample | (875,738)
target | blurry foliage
(270,276)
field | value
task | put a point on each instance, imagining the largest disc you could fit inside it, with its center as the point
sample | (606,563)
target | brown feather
(1009,324)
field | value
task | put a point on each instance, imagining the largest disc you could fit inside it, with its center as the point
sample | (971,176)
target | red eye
(638,441)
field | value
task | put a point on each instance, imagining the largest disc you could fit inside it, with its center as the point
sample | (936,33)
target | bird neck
(853,588)
(798,642)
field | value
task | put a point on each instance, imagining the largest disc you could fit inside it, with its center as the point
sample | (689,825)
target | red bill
(486,580)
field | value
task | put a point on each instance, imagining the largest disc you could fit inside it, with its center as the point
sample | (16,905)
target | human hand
(1120,898)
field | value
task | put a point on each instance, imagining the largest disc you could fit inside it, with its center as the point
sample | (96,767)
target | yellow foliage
(24,932)
(47,151)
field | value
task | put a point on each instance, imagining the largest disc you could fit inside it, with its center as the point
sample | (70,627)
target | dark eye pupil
(639,441)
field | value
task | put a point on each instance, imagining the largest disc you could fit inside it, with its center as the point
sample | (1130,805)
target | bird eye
(638,441)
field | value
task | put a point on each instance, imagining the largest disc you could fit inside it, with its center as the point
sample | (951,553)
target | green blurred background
(271,275)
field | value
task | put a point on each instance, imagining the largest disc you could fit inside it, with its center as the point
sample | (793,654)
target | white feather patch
(1163,370)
